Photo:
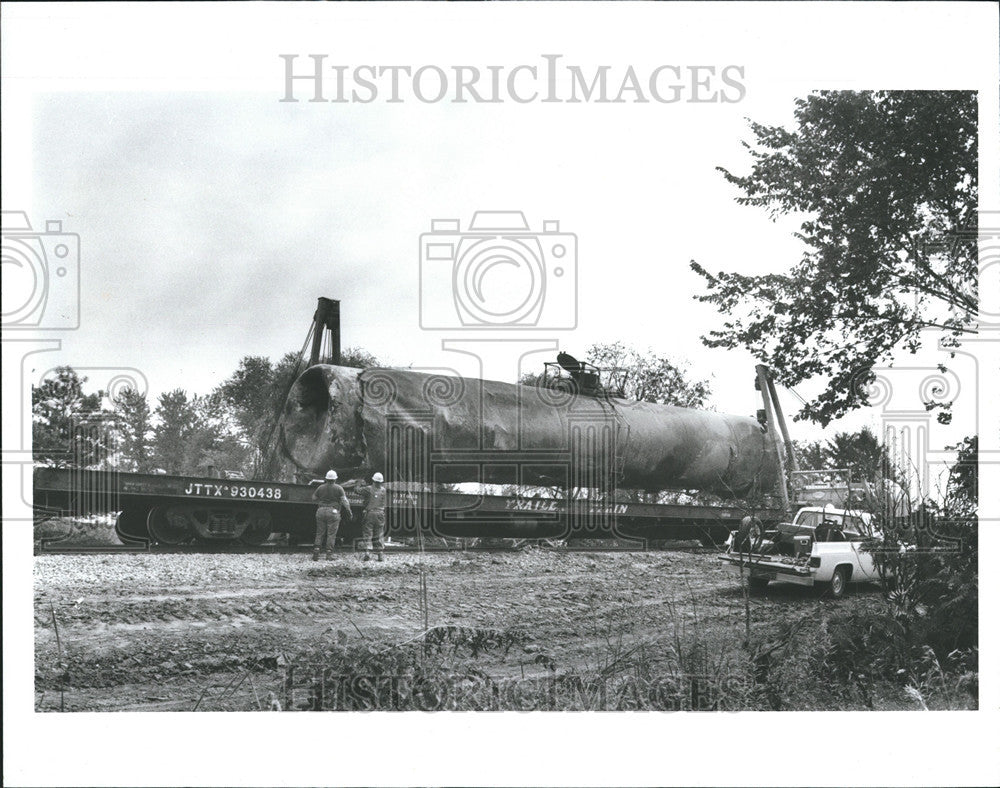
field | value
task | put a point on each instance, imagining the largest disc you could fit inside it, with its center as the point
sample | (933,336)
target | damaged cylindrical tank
(416,426)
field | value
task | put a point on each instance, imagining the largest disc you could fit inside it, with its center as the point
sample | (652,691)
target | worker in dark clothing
(331,497)
(374,520)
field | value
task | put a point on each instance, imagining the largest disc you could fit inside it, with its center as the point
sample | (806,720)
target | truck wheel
(758,583)
(838,583)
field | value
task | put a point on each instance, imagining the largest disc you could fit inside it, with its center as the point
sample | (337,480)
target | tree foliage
(132,419)
(231,428)
(648,377)
(358,357)
(69,428)
(645,377)
(861,452)
(885,184)
(932,558)
(961,494)
(250,400)
(176,433)
(811,455)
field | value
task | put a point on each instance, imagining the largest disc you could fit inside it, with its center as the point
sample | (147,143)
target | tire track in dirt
(141,627)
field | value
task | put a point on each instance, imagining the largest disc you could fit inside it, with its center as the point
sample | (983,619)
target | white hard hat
(331,476)
(378,477)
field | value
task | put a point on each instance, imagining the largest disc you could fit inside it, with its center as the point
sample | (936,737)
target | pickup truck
(821,546)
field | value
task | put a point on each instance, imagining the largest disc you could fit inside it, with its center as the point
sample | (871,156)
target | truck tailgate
(769,567)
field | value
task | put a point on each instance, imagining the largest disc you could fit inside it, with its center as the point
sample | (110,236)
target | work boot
(380,558)
(329,556)
(368,557)
(316,556)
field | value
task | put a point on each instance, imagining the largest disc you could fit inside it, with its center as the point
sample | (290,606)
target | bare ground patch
(225,631)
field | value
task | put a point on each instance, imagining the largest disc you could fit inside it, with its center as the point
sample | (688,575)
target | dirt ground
(184,631)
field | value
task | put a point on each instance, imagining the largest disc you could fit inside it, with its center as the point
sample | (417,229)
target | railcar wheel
(130,526)
(258,529)
(168,526)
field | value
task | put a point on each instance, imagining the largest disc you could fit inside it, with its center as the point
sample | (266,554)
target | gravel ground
(180,631)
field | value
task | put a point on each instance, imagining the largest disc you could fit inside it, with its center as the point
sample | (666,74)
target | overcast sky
(210,220)
(210,223)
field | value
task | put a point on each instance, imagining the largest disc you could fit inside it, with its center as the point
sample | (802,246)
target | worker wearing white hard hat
(373,524)
(331,497)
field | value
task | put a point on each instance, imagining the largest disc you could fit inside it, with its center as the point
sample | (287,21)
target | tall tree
(216,439)
(132,417)
(68,427)
(862,453)
(248,391)
(176,425)
(248,397)
(885,184)
(811,455)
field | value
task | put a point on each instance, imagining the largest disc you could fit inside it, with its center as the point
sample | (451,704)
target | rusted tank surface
(448,429)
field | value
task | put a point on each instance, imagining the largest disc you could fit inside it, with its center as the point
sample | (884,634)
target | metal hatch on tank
(454,429)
